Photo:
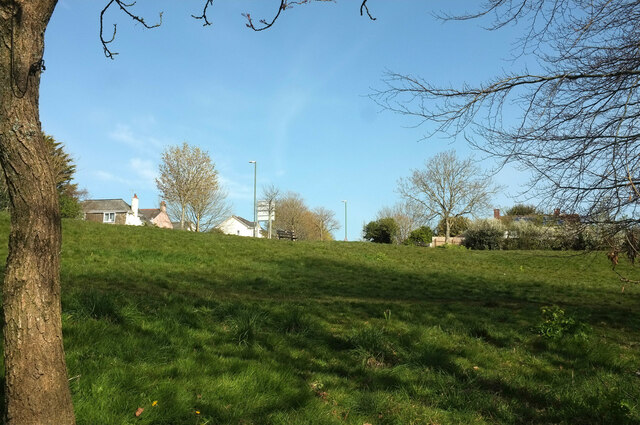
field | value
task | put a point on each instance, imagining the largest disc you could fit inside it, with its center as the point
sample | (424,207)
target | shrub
(420,236)
(484,234)
(381,231)
(526,235)
(69,206)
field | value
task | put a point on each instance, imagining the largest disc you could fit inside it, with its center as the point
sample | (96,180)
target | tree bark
(36,384)
(447,234)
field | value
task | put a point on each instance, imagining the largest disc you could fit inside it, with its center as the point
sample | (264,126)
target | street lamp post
(255,213)
(345,219)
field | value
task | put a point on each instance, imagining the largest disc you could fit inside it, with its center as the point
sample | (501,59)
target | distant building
(117,211)
(112,211)
(239,226)
(157,216)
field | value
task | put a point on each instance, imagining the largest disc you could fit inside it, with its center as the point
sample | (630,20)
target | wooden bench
(286,234)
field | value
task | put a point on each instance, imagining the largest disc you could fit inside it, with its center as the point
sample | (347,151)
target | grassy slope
(274,332)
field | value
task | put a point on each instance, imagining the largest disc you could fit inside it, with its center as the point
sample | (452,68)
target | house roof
(103,205)
(149,213)
(244,221)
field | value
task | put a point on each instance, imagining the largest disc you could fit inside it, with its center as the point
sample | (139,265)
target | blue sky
(293,98)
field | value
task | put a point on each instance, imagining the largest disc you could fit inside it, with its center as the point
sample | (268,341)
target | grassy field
(209,329)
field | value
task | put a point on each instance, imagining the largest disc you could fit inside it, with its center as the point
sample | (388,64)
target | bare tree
(36,385)
(408,215)
(325,221)
(447,188)
(577,132)
(270,194)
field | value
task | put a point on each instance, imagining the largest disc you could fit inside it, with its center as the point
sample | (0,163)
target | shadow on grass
(137,333)
(190,315)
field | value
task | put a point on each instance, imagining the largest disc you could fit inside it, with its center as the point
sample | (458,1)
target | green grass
(274,332)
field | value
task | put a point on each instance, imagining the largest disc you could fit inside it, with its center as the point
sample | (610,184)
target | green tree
(383,230)
(457,226)
(64,169)
(188,181)
(522,210)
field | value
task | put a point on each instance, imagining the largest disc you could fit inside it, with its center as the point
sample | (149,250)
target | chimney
(163,207)
(496,214)
(134,205)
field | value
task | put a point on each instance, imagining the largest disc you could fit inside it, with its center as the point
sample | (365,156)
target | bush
(381,231)
(484,234)
(420,236)
(526,235)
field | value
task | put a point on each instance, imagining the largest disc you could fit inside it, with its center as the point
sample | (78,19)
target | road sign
(263,211)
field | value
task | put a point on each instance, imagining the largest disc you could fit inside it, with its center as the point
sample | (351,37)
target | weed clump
(246,326)
(557,324)
(372,345)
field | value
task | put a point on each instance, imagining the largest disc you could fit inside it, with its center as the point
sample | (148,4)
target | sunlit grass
(229,330)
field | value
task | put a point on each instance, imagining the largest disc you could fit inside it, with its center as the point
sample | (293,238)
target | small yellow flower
(154,403)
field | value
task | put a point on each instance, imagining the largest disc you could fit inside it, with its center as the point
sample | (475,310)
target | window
(109,217)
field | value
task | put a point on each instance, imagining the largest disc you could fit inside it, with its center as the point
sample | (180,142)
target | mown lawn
(228,330)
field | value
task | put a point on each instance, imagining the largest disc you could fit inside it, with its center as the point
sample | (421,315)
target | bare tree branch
(126,9)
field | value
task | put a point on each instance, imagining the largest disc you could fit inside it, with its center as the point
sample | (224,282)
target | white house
(235,225)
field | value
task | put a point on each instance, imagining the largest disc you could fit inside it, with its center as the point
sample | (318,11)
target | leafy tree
(420,236)
(448,187)
(457,226)
(382,230)
(208,205)
(522,210)
(64,169)
(293,214)
(188,181)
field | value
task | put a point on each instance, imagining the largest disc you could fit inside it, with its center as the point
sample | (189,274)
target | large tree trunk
(36,384)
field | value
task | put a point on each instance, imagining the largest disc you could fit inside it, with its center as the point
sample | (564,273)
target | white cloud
(144,168)
(109,177)
(236,190)
(140,144)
